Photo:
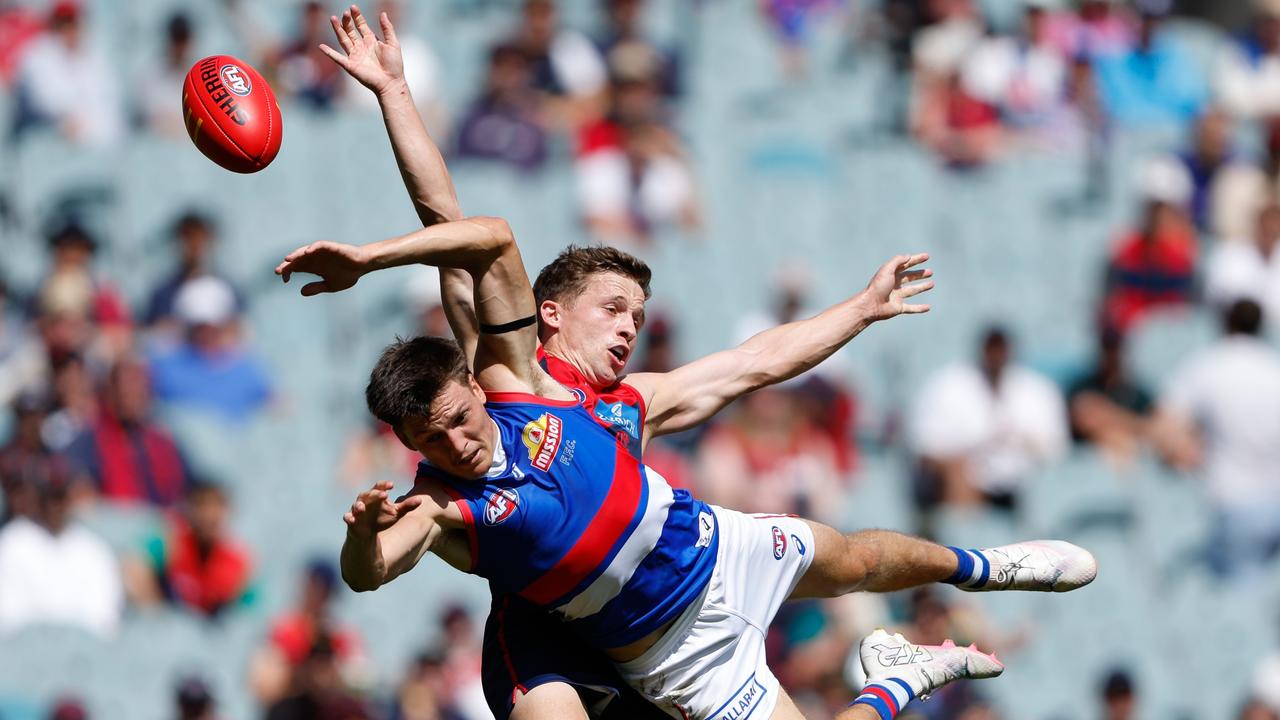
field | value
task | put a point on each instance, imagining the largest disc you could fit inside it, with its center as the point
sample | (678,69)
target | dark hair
(191,220)
(1243,318)
(410,375)
(564,278)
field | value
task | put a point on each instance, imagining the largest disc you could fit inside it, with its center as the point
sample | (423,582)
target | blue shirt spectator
(1158,82)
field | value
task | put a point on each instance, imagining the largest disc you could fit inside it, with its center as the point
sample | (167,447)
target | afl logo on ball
(236,80)
(779,543)
(500,506)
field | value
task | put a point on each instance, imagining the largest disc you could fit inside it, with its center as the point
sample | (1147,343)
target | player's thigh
(785,709)
(834,570)
(549,701)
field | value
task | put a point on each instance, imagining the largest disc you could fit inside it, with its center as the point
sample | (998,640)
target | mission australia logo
(542,439)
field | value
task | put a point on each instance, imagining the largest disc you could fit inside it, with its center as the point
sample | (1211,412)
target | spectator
(421,695)
(623,44)
(318,691)
(1119,698)
(196,564)
(76,311)
(770,454)
(302,71)
(504,124)
(26,462)
(1098,29)
(65,83)
(293,635)
(129,457)
(565,66)
(54,571)
(1211,155)
(1157,82)
(422,72)
(194,701)
(68,708)
(1108,408)
(1256,710)
(211,370)
(1247,77)
(1241,190)
(1026,77)
(1217,415)
(196,238)
(75,402)
(632,173)
(462,653)
(19,25)
(162,81)
(981,430)
(792,21)
(1153,266)
(1249,270)
(23,367)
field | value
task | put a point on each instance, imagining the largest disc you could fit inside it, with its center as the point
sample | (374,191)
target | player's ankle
(887,697)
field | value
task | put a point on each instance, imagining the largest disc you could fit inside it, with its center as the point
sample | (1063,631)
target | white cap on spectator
(1166,180)
(205,300)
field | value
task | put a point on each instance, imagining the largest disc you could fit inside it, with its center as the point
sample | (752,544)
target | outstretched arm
(505,358)
(379,66)
(691,394)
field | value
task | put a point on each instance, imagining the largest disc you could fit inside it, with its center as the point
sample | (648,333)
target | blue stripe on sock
(986,569)
(876,704)
(964,567)
(911,694)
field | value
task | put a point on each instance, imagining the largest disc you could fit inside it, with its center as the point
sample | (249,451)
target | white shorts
(711,664)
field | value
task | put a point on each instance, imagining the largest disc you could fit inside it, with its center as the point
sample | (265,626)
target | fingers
(362,26)
(349,27)
(915,309)
(315,288)
(913,260)
(914,289)
(341,34)
(388,31)
(906,276)
(408,504)
(334,55)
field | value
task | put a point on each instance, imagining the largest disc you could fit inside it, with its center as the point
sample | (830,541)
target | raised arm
(505,358)
(379,66)
(691,394)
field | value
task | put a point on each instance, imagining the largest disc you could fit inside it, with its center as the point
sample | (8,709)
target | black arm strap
(508,327)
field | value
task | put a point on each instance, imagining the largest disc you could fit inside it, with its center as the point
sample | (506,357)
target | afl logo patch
(779,543)
(577,392)
(501,506)
(236,80)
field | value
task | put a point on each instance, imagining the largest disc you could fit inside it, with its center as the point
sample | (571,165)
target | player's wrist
(395,88)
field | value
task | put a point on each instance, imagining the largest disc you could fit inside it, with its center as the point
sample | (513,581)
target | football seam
(234,144)
(271,104)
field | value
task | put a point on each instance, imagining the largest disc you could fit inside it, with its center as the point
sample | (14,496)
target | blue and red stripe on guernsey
(568,519)
(619,407)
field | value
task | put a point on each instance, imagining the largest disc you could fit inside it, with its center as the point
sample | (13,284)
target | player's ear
(474,386)
(549,311)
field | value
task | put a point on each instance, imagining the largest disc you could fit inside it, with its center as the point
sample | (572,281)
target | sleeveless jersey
(619,407)
(568,519)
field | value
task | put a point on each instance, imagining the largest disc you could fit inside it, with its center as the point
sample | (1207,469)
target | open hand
(887,293)
(339,266)
(373,511)
(377,64)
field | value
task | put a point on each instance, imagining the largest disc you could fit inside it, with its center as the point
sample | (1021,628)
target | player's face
(597,330)
(458,437)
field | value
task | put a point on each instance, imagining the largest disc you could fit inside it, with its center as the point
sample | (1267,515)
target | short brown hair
(410,375)
(564,278)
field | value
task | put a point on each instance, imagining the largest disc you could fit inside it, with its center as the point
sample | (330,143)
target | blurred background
(1098,182)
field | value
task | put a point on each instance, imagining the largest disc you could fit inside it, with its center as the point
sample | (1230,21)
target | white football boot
(1036,565)
(924,668)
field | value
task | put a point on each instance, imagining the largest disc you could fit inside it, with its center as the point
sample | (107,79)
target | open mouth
(619,352)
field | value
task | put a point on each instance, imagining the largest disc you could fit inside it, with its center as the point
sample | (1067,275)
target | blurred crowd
(88,378)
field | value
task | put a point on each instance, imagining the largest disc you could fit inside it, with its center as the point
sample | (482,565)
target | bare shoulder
(644,383)
(438,504)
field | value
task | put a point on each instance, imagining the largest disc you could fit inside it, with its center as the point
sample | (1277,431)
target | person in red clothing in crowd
(75,311)
(19,25)
(294,634)
(125,454)
(1153,266)
(197,564)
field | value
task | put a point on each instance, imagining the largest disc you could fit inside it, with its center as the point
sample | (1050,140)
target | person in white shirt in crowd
(566,66)
(68,83)
(982,429)
(422,72)
(1247,72)
(1249,269)
(52,571)
(161,81)
(1219,416)
(1242,189)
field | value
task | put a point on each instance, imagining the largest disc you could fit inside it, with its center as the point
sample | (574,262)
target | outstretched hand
(373,511)
(894,283)
(377,64)
(339,266)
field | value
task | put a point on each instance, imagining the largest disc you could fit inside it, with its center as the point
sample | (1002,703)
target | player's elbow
(360,581)
(500,237)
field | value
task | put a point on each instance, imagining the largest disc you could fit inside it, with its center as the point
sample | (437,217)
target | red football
(231,114)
